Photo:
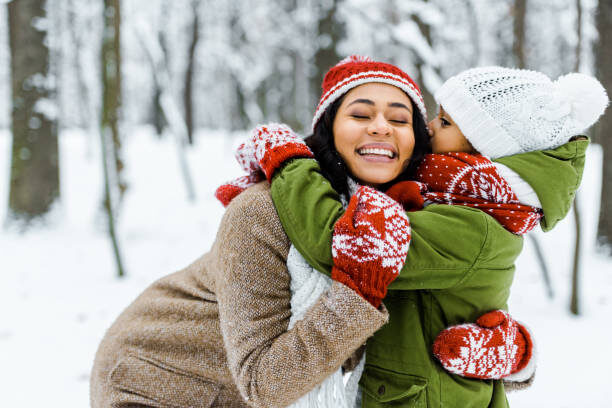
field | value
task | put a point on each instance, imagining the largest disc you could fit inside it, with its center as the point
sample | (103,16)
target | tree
(34,180)
(603,67)
(574,300)
(520,15)
(188,92)
(109,122)
(329,33)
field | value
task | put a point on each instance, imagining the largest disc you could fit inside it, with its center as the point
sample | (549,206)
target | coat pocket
(159,382)
(385,388)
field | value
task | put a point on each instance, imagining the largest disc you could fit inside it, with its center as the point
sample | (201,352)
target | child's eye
(444,122)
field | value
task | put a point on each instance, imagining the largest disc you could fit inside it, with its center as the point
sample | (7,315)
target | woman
(216,333)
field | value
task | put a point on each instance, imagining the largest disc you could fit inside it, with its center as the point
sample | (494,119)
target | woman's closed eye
(359,116)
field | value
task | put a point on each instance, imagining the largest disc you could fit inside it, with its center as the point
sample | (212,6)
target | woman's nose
(379,126)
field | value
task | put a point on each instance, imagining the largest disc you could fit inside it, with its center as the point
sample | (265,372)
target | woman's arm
(273,366)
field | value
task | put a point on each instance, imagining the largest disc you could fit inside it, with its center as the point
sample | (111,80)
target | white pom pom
(355,58)
(587,97)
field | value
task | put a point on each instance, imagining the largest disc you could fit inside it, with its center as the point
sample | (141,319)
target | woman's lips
(376,158)
(377,153)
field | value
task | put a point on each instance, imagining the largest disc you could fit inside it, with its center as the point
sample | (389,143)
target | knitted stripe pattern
(356,70)
(473,181)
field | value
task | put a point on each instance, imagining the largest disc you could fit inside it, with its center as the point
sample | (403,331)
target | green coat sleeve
(446,240)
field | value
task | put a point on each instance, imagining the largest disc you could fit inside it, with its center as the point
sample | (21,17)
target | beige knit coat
(215,334)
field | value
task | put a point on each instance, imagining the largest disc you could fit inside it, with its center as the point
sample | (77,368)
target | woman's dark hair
(321,142)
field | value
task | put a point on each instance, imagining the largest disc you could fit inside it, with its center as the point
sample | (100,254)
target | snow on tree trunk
(34,180)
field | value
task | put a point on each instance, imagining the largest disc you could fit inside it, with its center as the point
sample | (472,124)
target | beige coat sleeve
(273,366)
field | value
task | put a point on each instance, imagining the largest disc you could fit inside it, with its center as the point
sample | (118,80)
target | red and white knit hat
(356,70)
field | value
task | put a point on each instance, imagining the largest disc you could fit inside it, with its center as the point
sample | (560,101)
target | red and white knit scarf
(469,180)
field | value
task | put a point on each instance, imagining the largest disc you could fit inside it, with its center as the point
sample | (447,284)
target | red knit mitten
(497,346)
(370,244)
(268,147)
(228,191)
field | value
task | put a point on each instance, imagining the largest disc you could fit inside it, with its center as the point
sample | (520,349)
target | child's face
(373,132)
(446,136)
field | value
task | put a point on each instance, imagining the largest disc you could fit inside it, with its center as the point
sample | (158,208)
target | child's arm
(442,249)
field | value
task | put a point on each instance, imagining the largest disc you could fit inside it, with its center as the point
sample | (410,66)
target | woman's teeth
(380,152)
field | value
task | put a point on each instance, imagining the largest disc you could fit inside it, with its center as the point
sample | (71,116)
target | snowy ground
(58,292)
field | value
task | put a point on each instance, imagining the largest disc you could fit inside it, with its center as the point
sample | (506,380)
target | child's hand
(493,348)
(228,191)
(370,244)
(268,147)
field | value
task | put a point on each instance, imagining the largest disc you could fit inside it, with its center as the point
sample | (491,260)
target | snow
(58,292)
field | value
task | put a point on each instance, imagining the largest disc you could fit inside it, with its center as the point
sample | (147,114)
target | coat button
(381,390)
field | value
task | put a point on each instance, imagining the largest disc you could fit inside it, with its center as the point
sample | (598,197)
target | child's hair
(321,142)
(504,111)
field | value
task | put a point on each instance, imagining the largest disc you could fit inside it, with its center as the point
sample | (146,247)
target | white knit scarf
(307,285)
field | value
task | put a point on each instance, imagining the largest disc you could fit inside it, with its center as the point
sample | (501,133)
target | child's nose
(430,127)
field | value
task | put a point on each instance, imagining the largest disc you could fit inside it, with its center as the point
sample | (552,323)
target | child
(498,112)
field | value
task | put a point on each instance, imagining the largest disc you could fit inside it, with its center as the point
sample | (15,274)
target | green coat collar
(554,174)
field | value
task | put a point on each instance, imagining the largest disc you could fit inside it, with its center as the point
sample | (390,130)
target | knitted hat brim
(479,128)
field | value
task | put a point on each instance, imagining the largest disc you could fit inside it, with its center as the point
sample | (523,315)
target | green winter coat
(459,266)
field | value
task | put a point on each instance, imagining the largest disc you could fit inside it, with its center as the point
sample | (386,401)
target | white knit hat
(504,111)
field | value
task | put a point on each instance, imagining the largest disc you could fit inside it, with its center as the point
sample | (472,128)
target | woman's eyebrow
(370,102)
(361,100)
(399,105)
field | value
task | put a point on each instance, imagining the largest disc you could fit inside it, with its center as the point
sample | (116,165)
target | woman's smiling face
(373,132)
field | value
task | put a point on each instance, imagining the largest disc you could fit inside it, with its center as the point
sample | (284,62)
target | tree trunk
(159,122)
(34,180)
(430,103)
(239,118)
(330,32)
(188,96)
(603,62)
(109,126)
(574,302)
(111,87)
(518,48)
